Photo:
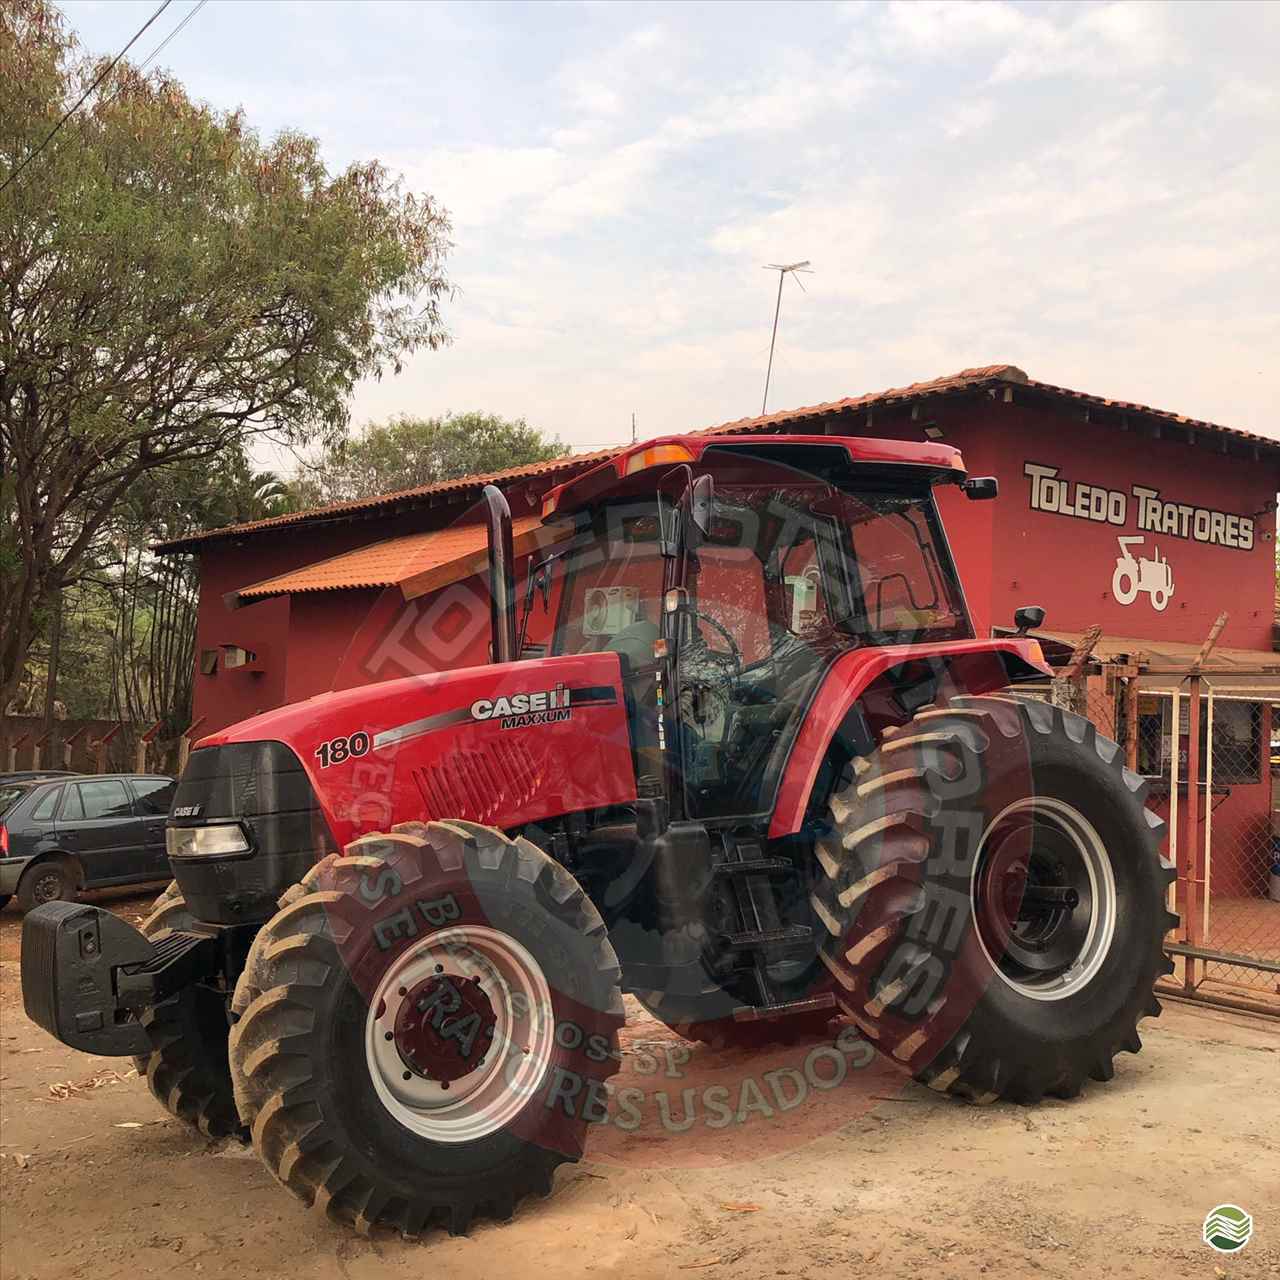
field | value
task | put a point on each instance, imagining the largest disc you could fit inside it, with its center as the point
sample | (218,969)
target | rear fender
(888,685)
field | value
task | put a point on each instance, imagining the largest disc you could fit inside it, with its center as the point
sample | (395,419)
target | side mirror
(1029,618)
(981,488)
(701,504)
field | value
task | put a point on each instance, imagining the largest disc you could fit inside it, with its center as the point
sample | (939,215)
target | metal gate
(1208,741)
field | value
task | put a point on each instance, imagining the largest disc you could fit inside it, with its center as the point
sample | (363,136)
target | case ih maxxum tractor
(761,776)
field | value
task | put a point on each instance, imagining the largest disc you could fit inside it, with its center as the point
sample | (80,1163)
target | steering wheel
(734,653)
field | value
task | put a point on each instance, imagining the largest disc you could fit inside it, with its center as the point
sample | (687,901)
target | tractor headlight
(218,841)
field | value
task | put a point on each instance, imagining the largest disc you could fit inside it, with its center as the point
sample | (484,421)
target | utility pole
(633,426)
(793,269)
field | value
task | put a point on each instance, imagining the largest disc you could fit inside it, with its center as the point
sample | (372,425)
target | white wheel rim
(1096,945)
(489,1097)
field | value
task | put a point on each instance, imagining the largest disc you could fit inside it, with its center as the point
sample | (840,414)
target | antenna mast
(794,269)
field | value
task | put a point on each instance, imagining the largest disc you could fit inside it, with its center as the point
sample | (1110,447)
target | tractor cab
(730,573)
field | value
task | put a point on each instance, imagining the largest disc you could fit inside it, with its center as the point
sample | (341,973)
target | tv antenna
(796,270)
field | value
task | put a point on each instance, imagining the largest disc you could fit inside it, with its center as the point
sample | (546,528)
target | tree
(407,451)
(171,284)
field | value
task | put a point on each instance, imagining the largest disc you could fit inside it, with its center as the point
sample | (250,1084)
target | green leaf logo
(1227,1228)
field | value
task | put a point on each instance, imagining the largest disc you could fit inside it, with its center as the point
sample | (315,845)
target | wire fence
(1223,824)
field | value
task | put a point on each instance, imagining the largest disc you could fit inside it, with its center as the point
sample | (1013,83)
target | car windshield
(10,794)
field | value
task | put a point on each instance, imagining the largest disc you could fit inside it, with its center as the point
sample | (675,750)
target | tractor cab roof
(671,451)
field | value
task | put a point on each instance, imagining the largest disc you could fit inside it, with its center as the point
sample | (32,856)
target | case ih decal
(521,710)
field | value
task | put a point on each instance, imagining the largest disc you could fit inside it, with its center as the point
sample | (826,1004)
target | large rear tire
(187,1069)
(994,899)
(425,1027)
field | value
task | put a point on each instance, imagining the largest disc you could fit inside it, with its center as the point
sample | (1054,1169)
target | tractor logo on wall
(1154,576)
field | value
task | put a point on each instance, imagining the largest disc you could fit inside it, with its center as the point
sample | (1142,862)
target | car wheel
(52,880)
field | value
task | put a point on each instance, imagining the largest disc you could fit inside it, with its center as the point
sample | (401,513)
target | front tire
(187,1070)
(425,1028)
(994,899)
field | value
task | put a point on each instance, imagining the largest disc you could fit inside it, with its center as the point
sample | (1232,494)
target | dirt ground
(96,1181)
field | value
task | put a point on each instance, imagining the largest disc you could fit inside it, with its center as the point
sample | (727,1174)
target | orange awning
(417,563)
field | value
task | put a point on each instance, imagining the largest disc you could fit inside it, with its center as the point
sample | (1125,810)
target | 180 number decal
(338,750)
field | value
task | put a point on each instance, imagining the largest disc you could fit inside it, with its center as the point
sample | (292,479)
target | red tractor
(763,775)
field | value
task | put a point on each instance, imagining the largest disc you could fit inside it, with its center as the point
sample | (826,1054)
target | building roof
(416,563)
(450,490)
(967,381)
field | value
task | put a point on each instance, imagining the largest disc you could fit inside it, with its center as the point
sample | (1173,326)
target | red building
(1137,520)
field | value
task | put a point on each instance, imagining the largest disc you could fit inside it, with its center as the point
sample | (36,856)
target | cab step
(769,1012)
(788,936)
(753,866)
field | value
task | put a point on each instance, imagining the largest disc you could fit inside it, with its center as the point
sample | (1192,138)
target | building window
(1237,739)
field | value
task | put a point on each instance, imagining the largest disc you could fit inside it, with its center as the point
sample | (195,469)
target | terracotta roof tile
(389,563)
(965,380)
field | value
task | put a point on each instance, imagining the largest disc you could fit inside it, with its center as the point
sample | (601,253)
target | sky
(1088,191)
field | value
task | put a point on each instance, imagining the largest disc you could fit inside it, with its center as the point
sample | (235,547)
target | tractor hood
(505,745)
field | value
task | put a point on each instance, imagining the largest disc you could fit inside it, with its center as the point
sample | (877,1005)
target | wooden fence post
(140,757)
(68,745)
(99,747)
(184,743)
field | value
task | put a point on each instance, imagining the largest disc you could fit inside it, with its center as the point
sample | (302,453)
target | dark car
(36,775)
(61,835)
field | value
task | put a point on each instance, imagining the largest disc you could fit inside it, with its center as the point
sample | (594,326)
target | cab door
(97,824)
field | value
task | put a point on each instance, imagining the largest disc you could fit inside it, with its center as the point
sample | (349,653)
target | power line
(146,62)
(159,49)
(111,66)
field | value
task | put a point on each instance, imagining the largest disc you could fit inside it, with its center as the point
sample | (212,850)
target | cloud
(482,185)
(946,28)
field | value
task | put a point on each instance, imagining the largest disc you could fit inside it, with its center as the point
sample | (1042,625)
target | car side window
(72,809)
(155,795)
(46,806)
(107,798)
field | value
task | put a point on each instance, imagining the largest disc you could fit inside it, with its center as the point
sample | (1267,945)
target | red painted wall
(1068,563)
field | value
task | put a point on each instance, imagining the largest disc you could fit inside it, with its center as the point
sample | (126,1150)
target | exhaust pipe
(502,585)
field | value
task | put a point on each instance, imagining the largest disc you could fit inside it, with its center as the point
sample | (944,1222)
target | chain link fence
(1224,830)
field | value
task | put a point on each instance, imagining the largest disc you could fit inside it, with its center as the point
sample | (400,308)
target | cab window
(905,593)
(613,586)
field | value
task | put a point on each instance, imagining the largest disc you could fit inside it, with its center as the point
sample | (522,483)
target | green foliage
(171,284)
(407,452)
